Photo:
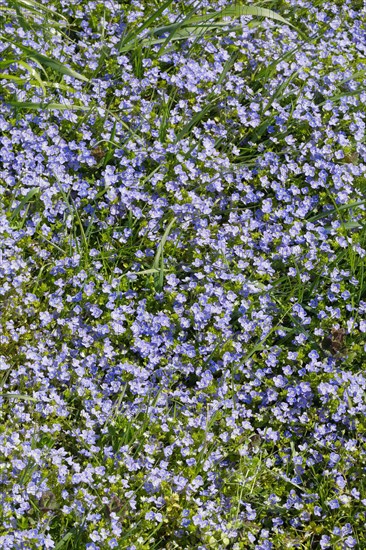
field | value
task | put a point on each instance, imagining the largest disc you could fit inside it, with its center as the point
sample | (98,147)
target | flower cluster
(183,300)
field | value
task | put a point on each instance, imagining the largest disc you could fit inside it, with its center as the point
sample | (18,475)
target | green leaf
(46,61)
(146,271)
(19,396)
(64,540)
(158,261)
(182,30)
(132,36)
(56,65)
(348,225)
(28,197)
(36,8)
(335,210)
(49,106)
(240,11)
(16,79)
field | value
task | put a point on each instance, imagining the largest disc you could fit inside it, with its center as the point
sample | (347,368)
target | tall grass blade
(28,197)
(158,261)
(46,61)
(189,26)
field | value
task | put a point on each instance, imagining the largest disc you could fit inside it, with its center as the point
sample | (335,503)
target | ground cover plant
(182,274)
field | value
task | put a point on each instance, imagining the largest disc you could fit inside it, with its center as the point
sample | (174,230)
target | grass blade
(28,197)
(187,28)
(158,261)
(50,106)
(19,396)
(240,11)
(46,61)
(132,36)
